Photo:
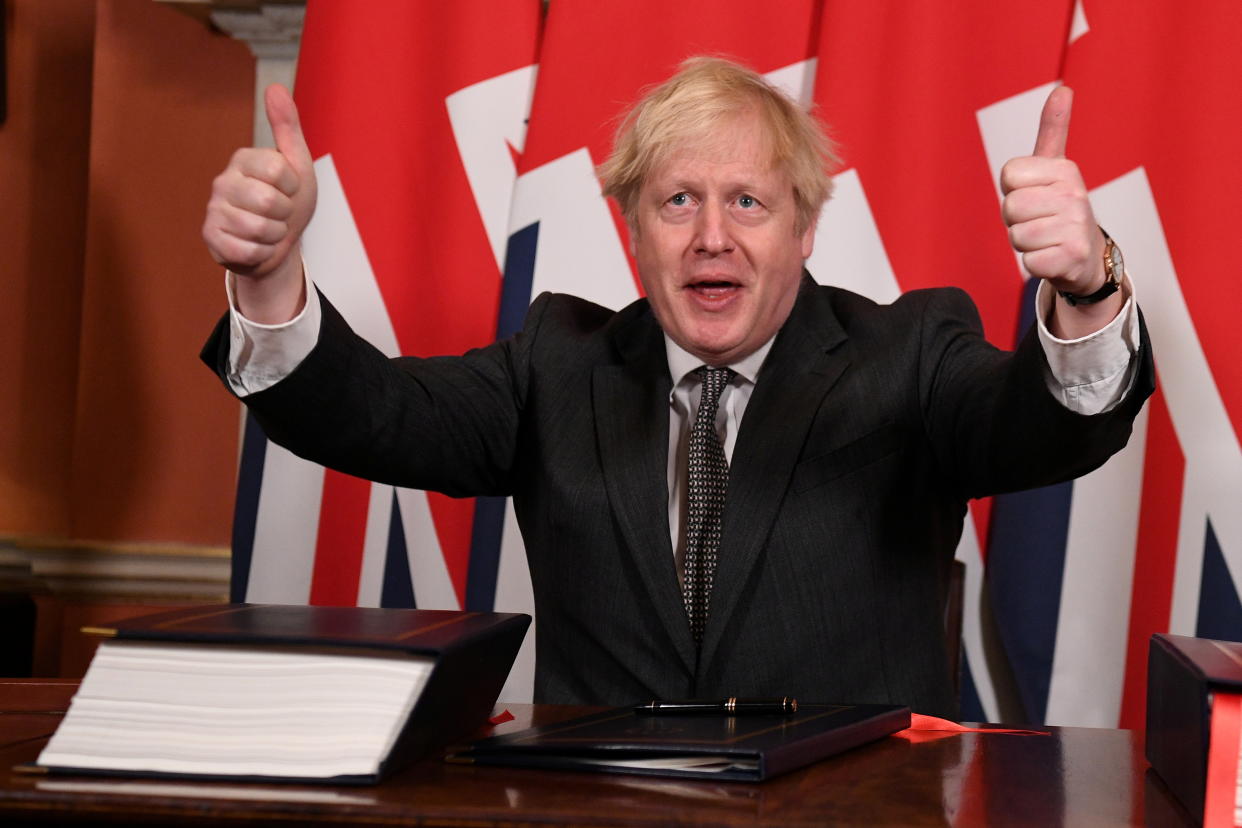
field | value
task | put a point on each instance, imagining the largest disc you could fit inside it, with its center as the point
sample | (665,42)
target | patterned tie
(709,479)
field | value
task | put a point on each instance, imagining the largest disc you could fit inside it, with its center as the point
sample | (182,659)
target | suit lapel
(799,371)
(631,428)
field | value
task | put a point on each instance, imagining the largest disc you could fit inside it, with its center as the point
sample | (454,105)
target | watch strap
(1111,283)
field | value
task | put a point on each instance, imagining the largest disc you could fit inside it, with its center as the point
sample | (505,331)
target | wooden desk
(1075,776)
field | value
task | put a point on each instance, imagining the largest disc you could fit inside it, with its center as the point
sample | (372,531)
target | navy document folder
(750,748)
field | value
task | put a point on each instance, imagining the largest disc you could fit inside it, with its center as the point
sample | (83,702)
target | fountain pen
(727,707)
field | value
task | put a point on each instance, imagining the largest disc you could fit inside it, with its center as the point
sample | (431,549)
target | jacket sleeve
(449,424)
(988,413)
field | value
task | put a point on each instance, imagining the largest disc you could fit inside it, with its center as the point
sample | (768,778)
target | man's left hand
(1051,222)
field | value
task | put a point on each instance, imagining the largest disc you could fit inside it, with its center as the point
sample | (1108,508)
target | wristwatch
(1114,270)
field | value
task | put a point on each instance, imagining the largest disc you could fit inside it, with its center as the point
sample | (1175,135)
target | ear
(631,226)
(808,238)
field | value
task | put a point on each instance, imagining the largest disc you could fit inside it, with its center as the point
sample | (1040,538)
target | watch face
(1117,265)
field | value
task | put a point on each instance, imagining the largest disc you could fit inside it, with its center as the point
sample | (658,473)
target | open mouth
(713,288)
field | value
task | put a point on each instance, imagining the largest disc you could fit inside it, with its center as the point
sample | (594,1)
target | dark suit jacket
(868,430)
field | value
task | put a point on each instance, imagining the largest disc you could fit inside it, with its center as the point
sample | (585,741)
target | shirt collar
(681,362)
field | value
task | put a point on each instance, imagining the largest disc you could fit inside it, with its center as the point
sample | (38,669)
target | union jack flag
(490,123)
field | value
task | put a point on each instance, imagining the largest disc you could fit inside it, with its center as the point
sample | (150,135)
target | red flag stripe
(342,536)
(1222,774)
(1155,558)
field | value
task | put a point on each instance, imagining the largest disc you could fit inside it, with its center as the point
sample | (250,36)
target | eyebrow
(677,185)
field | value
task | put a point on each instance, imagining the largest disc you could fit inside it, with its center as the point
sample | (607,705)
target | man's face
(715,243)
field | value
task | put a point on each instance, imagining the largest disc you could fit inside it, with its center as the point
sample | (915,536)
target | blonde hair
(705,93)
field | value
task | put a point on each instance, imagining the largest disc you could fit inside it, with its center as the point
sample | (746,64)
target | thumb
(1054,124)
(282,115)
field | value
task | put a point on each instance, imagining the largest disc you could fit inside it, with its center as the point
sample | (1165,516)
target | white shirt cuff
(1092,374)
(262,355)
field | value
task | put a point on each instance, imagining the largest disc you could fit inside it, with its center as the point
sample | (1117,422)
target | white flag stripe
(282,558)
(797,80)
(978,654)
(1093,624)
(1088,674)
(375,546)
(1006,130)
(848,250)
(1007,127)
(1204,430)
(486,117)
(339,265)
(1188,570)
(579,251)
(433,588)
(1078,27)
(514,594)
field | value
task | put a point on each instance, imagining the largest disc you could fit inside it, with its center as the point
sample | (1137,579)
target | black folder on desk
(283,693)
(749,748)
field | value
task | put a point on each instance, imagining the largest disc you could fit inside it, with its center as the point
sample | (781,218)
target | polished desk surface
(1073,776)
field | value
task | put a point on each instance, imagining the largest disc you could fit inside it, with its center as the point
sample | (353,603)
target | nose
(712,235)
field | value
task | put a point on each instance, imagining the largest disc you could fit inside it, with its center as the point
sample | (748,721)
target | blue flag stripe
(397,589)
(518,280)
(970,704)
(246,506)
(1024,570)
(1220,611)
(489,512)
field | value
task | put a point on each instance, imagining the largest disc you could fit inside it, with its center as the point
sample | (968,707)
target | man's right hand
(258,209)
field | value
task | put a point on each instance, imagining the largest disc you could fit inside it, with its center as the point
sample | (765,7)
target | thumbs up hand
(261,203)
(1046,208)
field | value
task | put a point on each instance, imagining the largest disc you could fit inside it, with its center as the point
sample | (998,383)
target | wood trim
(201,10)
(152,549)
(78,570)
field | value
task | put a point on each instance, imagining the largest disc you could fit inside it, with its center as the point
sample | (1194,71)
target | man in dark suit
(798,540)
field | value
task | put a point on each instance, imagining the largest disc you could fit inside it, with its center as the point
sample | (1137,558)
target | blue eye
(746,202)
(680,200)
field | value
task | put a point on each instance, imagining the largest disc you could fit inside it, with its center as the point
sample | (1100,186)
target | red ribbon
(926,728)
(501,717)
